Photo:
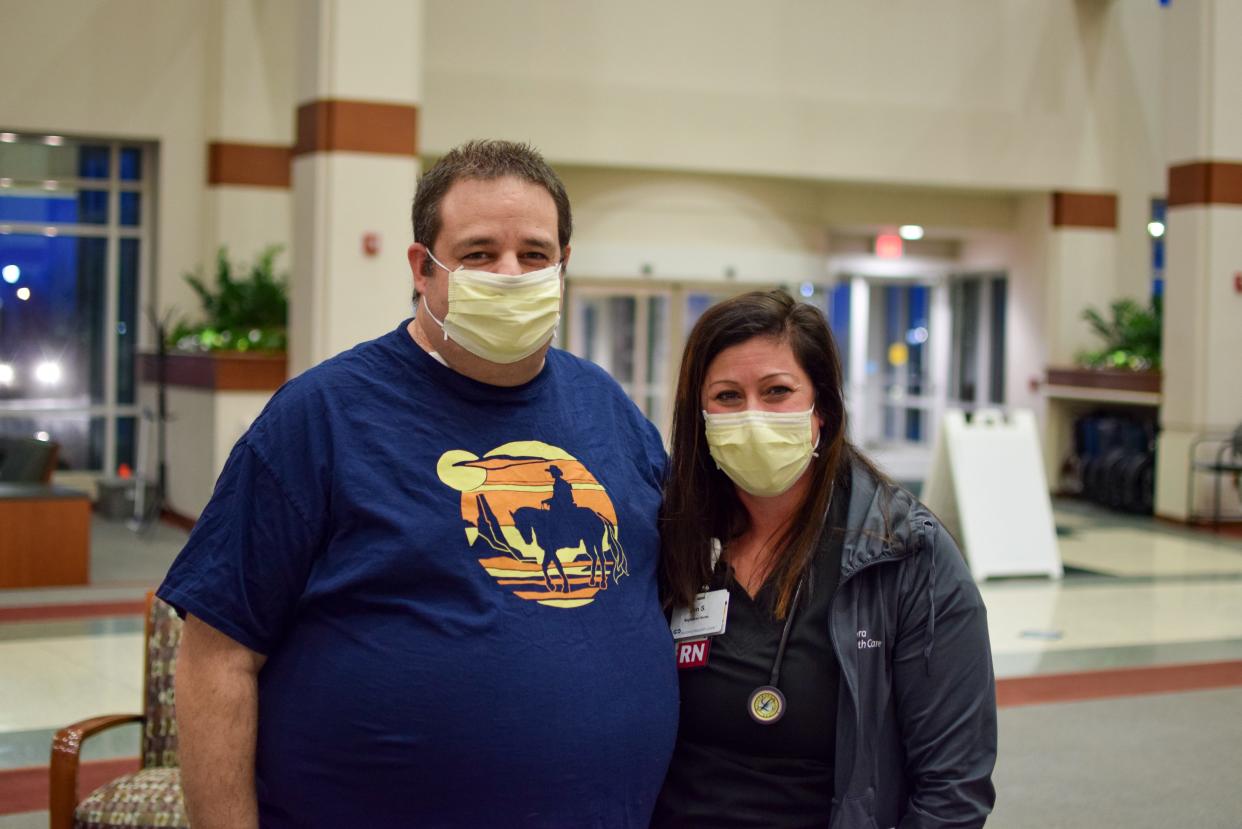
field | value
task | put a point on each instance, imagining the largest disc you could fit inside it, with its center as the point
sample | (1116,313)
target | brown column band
(357,126)
(1095,210)
(255,165)
(1205,182)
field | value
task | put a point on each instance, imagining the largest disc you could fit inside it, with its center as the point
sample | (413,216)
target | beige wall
(1024,94)
(993,96)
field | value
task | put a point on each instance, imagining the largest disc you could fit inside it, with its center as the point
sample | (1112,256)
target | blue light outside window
(1159,213)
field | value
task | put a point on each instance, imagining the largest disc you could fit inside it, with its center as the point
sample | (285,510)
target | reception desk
(45,536)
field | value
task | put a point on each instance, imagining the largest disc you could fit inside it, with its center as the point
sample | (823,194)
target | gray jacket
(916,721)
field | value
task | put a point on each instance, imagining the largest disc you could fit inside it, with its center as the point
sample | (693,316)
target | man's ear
(416,255)
(564,258)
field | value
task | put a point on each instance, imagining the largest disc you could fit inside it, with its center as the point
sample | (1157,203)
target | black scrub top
(729,771)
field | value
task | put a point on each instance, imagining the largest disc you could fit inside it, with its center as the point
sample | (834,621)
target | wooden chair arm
(66,747)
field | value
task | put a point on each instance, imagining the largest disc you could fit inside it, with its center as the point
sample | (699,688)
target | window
(977,307)
(75,234)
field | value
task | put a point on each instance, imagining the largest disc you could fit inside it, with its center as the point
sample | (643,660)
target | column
(1202,392)
(1081,269)
(354,172)
(249,197)
(1080,251)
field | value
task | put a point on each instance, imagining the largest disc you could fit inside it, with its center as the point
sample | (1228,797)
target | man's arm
(217,718)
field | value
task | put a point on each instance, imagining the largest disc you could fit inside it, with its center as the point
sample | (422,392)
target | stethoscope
(766,704)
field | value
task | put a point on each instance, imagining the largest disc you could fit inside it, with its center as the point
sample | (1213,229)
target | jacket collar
(876,523)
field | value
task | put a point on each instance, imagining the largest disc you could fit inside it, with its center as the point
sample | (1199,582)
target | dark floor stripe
(71,611)
(1123,682)
(25,790)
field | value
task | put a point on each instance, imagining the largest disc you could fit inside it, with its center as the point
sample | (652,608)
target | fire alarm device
(371,244)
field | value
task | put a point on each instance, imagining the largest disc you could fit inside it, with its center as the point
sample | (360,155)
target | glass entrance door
(899,369)
(626,332)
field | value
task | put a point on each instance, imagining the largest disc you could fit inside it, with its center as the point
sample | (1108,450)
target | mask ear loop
(818,438)
(438,322)
(443,332)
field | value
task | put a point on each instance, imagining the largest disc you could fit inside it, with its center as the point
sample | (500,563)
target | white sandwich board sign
(987,484)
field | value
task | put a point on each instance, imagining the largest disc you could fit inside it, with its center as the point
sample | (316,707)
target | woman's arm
(945,691)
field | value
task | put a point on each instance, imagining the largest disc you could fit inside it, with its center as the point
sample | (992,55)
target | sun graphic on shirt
(544,527)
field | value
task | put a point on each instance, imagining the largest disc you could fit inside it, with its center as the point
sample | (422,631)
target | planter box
(213,397)
(218,370)
(1106,379)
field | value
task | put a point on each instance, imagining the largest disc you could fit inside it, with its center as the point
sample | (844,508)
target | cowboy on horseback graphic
(562,491)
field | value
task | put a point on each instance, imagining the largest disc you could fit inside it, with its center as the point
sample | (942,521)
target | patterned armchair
(149,797)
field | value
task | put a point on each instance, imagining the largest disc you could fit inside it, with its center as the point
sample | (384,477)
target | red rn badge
(693,654)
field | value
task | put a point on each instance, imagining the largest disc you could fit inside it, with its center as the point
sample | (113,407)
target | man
(370,638)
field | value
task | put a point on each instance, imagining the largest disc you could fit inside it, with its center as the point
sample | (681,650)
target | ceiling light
(48,373)
(6,182)
(8,137)
(11,273)
(911,233)
(1156,229)
(50,232)
(54,140)
(7,374)
(50,184)
(43,436)
(23,293)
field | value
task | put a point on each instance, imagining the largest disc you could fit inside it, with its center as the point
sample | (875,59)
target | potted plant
(246,310)
(1131,337)
(238,341)
(1129,359)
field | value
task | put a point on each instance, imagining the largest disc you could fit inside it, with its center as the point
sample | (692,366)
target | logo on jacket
(545,526)
(865,642)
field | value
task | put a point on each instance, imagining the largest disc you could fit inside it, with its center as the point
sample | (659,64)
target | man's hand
(217,717)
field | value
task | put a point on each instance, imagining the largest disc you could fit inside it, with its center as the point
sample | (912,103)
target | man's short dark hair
(485,160)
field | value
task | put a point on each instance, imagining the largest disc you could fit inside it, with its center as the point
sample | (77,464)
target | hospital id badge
(706,616)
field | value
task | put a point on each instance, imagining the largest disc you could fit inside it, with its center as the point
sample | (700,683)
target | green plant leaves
(245,310)
(1131,336)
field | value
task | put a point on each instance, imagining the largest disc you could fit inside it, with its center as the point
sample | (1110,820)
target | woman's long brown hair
(700,502)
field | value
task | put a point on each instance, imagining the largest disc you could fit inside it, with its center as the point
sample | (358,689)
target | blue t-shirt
(455,587)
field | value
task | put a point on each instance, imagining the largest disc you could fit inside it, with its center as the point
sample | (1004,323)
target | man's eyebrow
(535,242)
(476,241)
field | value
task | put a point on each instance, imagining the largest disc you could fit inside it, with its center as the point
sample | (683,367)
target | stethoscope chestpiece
(766,705)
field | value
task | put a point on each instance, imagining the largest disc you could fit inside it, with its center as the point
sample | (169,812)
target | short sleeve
(657,456)
(248,558)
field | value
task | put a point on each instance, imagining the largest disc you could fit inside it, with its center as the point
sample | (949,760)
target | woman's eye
(778,391)
(725,396)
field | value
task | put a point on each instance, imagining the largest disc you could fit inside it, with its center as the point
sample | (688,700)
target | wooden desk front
(45,536)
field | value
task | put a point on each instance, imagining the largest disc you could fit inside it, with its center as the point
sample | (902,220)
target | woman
(852,684)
